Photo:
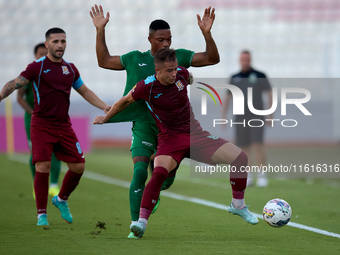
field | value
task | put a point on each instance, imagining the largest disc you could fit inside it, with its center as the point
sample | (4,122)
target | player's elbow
(103,64)
(212,60)
(215,60)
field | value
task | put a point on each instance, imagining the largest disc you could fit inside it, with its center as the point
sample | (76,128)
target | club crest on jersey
(179,85)
(65,70)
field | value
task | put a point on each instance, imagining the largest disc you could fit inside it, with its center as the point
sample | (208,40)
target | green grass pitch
(178,227)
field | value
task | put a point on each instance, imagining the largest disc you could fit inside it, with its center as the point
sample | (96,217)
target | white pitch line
(125,184)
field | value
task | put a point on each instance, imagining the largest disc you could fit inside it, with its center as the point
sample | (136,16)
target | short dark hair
(54,30)
(40,45)
(246,52)
(165,55)
(158,24)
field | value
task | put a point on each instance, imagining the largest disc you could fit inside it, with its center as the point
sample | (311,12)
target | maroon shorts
(60,140)
(199,146)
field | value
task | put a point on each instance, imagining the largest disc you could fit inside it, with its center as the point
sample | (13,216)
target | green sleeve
(124,59)
(184,57)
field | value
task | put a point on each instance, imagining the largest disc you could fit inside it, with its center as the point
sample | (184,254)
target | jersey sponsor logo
(47,70)
(137,190)
(147,143)
(179,85)
(158,95)
(153,201)
(141,64)
(65,70)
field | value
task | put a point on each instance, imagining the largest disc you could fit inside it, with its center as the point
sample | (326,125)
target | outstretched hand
(99,120)
(207,20)
(97,15)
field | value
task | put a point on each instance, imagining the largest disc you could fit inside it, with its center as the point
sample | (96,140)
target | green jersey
(29,97)
(138,66)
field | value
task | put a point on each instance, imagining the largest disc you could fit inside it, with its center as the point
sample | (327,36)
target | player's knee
(43,167)
(160,171)
(78,168)
(242,159)
(140,171)
(140,159)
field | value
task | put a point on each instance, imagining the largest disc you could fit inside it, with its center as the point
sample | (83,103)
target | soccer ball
(277,212)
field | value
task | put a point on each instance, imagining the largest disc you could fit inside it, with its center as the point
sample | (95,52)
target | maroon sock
(238,179)
(70,182)
(151,191)
(41,190)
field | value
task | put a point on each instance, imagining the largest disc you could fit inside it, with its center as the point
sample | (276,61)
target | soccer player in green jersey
(138,66)
(25,98)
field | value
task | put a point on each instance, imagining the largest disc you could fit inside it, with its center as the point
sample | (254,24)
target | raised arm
(21,100)
(119,106)
(105,60)
(211,55)
(13,85)
(92,98)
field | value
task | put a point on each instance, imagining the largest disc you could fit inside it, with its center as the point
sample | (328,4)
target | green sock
(168,182)
(32,166)
(140,174)
(55,169)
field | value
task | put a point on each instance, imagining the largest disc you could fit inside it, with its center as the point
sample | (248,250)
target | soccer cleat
(64,210)
(138,228)
(42,220)
(54,191)
(244,214)
(132,235)
(157,205)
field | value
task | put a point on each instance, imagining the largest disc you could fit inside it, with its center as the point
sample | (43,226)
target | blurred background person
(250,139)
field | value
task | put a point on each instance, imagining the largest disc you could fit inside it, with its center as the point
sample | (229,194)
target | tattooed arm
(13,85)
(105,60)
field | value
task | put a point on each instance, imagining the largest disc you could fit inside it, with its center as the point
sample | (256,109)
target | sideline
(125,184)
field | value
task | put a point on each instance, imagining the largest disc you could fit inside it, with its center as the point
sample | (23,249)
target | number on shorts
(79,148)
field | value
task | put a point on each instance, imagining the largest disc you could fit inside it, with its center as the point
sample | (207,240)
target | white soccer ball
(277,212)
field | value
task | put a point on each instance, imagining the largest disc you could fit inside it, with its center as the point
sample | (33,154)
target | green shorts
(144,136)
(28,129)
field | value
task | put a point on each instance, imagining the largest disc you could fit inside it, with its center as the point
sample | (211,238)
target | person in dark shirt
(250,139)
